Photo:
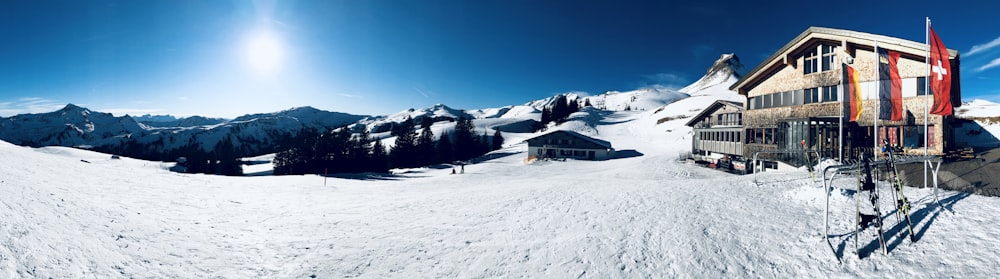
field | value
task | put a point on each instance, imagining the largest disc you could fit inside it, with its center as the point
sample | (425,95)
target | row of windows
(812,95)
(796,97)
(559,141)
(909,136)
(575,153)
(729,119)
(730,136)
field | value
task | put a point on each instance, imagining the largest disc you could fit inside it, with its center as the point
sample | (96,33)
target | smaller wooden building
(718,135)
(569,144)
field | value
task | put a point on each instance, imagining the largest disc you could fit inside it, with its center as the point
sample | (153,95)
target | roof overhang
(851,40)
(711,108)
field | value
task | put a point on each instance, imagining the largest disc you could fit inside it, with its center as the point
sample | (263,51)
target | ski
(866,185)
(902,205)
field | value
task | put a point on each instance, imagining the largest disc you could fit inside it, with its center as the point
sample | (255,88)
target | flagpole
(878,100)
(927,91)
(927,82)
(840,134)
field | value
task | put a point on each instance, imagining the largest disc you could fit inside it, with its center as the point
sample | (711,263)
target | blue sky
(381,57)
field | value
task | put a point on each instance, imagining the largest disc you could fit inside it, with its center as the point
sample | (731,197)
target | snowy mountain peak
(727,64)
(74,109)
(726,69)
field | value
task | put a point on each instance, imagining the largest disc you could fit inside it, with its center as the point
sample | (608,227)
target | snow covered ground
(642,216)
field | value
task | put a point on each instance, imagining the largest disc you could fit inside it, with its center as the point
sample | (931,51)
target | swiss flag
(940,76)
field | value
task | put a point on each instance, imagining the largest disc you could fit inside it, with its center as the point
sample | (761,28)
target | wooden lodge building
(562,144)
(718,134)
(794,101)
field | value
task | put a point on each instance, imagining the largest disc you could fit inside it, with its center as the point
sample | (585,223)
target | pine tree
(559,109)
(403,152)
(465,140)
(586,103)
(546,116)
(497,140)
(226,159)
(484,144)
(444,150)
(425,146)
(358,153)
(379,159)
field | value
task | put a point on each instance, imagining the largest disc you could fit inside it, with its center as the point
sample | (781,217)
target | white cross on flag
(940,76)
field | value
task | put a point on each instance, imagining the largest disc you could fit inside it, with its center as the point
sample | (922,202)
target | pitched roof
(854,37)
(714,106)
(602,143)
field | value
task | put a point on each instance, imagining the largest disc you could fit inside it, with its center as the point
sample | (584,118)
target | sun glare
(263,53)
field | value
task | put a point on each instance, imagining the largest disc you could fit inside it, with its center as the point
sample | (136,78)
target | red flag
(852,94)
(890,93)
(940,76)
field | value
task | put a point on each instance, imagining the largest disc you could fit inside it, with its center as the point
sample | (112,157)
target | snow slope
(645,215)
(978,108)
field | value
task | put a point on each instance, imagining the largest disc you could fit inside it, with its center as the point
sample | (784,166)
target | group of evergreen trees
(223,159)
(560,109)
(342,152)
(337,151)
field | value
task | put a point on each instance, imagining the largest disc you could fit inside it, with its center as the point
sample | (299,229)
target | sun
(263,53)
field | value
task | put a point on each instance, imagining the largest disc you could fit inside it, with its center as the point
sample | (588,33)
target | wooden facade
(794,98)
(718,130)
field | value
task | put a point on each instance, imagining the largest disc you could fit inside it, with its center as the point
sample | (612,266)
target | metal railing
(828,183)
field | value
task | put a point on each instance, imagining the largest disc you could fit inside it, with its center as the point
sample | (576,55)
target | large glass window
(819,59)
(810,62)
(830,93)
(812,95)
(829,58)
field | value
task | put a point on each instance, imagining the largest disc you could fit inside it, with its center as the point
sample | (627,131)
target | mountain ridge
(253,133)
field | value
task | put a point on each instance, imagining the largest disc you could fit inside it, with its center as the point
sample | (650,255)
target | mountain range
(262,133)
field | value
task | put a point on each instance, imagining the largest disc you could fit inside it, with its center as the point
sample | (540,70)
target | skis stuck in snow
(902,205)
(868,215)
(867,200)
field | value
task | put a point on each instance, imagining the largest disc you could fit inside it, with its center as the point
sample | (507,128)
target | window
(829,58)
(766,103)
(565,152)
(921,86)
(830,93)
(757,102)
(809,61)
(812,95)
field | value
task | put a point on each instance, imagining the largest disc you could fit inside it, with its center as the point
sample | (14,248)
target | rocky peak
(727,64)
(725,69)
